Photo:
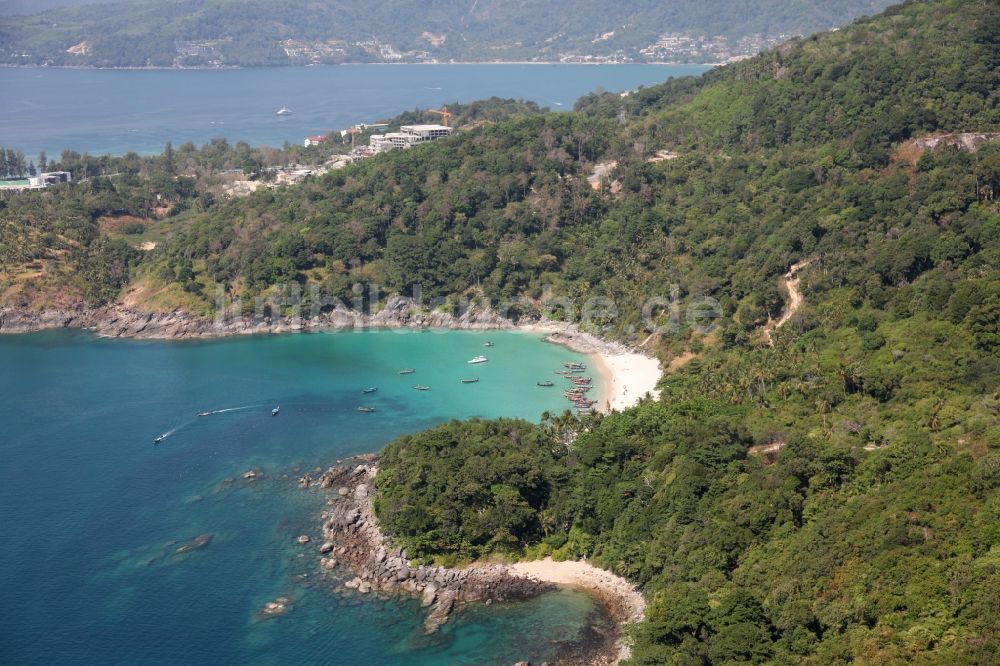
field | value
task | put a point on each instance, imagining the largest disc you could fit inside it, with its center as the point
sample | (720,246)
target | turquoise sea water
(106,111)
(93,513)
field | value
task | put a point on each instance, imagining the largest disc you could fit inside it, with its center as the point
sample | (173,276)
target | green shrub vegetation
(830,498)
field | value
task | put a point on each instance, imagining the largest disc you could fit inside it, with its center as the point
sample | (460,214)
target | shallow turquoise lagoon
(93,513)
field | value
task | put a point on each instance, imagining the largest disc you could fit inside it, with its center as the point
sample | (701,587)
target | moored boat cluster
(579,387)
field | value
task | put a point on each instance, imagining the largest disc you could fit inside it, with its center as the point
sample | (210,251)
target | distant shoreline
(159,68)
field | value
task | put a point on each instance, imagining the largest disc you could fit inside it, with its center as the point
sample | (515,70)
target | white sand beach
(625,375)
(624,602)
(625,378)
(585,575)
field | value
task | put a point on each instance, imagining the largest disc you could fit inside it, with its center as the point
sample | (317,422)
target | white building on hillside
(426,132)
(407,136)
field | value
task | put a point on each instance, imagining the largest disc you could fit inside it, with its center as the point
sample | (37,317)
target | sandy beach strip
(574,573)
(625,379)
(625,376)
(625,603)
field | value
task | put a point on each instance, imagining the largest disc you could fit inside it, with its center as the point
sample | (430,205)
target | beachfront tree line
(14,164)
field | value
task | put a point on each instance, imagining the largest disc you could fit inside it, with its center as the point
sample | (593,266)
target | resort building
(426,132)
(38,182)
(314,140)
(52,178)
(407,136)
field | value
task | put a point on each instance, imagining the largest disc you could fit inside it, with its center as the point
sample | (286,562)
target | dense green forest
(250,33)
(79,242)
(832,497)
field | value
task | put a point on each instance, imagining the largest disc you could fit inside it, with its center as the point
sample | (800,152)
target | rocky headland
(352,539)
(356,553)
(123,322)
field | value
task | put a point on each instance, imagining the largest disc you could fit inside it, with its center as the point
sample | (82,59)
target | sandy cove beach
(625,376)
(625,603)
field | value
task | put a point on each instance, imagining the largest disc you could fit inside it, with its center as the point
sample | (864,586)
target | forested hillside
(25,7)
(832,497)
(230,32)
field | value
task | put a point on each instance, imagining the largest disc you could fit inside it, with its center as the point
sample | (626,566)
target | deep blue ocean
(93,513)
(110,111)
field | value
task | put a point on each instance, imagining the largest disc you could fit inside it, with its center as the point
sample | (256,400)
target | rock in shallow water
(441,611)
(279,606)
(196,543)
(429,595)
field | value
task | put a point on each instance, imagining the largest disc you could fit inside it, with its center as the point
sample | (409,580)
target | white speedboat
(284,111)
(478,359)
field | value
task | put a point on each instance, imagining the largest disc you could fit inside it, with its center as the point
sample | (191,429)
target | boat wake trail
(173,430)
(166,434)
(230,409)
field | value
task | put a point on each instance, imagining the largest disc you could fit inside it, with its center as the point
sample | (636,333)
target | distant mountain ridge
(26,7)
(282,32)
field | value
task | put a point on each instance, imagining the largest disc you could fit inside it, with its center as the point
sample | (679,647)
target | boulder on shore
(429,595)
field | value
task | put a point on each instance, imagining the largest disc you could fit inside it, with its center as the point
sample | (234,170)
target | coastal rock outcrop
(352,531)
(279,606)
(197,543)
(123,322)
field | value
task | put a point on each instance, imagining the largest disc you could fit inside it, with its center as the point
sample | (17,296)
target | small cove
(96,513)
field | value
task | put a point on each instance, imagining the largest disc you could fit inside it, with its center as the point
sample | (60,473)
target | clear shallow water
(92,513)
(109,111)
